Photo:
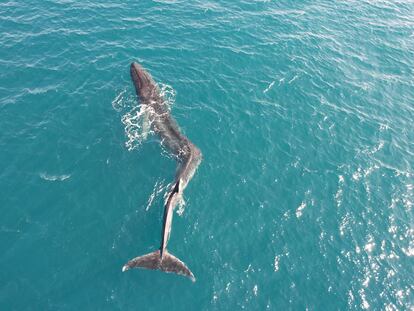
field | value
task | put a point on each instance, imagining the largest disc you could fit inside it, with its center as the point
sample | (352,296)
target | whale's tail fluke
(167,263)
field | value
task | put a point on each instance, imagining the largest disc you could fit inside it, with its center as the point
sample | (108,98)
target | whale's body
(188,156)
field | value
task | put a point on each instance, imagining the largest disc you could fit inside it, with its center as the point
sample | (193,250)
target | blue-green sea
(304,113)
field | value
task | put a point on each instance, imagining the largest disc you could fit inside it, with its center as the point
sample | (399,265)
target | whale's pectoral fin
(168,263)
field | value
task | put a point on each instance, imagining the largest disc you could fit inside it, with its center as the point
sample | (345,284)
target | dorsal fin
(176,187)
(175,190)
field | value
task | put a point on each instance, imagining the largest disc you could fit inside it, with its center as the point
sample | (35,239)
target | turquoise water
(303,111)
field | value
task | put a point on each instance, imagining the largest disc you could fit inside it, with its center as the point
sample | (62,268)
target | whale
(188,158)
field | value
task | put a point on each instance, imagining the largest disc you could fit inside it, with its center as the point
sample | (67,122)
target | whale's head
(144,84)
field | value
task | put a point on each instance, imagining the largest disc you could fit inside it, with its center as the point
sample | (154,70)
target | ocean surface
(304,113)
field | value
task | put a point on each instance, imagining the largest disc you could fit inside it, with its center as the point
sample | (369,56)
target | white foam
(158,188)
(48,177)
(369,247)
(300,209)
(357,174)
(293,79)
(276,263)
(255,289)
(138,120)
(364,304)
(269,87)
(118,102)
(339,193)
(41,90)
(181,206)
(344,224)
(134,125)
